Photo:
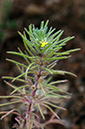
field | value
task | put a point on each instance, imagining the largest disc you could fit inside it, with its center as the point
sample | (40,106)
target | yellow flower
(43,43)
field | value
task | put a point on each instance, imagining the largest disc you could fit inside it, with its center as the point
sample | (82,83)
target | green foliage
(7,22)
(41,55)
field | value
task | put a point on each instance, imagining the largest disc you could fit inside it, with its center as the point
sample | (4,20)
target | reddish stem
(33,93)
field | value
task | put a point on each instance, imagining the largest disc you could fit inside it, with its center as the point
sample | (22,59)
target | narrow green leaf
(57,48)
(62,53)
(40,110)
(5,104)
(55,96)
(16,63)
(50,110)
(46,23)
(60,41)
(16,78)
(11,78)
(30,28)
(56,82)
(62,72)
(36,35)
(53,35)
(54,93)
(50,31)
(55,106)
(31,35)
(13,96)
(18,67)
(49,55)
(42,88)
(51,64)
(42,25)
(48,70)
(63,41)
(19,54)
(58,58)
(28,69)
(32,68)
(48,80)
(24,56)
(53,87)
(66,52)
(18,89)
(28,49)
(73,50)
(57,44)
(57,38)
(26,46)
(29,43)
(35,57)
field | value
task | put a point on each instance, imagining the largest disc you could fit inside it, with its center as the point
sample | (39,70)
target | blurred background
(67,15)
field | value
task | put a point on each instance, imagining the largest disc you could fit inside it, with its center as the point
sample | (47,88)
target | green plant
(7,23)
(38,91)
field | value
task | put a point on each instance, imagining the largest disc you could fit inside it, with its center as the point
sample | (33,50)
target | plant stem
(33,94)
